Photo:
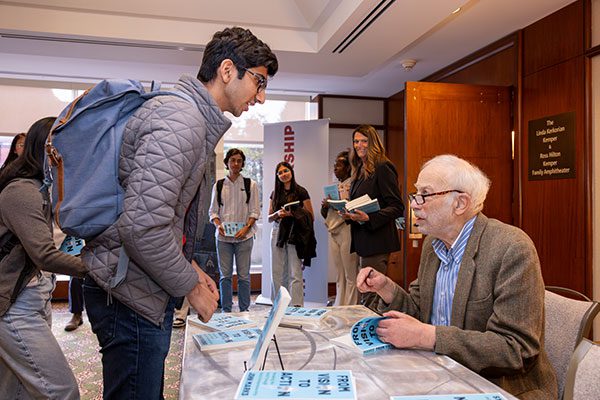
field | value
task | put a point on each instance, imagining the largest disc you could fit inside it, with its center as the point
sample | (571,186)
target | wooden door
(470,121)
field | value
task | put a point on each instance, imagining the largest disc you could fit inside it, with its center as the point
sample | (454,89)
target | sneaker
(178,323)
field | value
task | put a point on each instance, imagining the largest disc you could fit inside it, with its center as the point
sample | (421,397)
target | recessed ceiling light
(456,11)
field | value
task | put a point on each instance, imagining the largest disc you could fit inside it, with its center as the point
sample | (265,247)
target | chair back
(584,373)
(567,322)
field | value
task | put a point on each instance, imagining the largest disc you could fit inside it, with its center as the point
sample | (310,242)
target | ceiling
(345,47)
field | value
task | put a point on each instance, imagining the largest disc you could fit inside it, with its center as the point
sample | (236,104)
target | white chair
(583,377)
(567,322)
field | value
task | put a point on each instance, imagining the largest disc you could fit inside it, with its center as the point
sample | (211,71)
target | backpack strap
(247,182)
(219,190)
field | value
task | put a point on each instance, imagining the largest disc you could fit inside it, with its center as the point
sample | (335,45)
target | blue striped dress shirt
(445,282)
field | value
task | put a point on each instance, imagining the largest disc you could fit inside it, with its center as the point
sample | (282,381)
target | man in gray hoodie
(166,146)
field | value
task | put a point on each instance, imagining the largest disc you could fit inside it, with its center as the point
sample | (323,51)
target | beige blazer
(497,326)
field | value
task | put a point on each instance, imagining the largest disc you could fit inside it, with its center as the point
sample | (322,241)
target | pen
(290,325)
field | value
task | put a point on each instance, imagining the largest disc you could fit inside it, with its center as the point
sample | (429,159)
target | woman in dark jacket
(374,235)
(286,266)
(30,358)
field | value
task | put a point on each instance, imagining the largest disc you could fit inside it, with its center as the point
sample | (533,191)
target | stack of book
(302,314)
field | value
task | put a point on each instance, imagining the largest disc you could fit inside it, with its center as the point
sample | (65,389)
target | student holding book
(374,235)
(344,260)
(233,206)
(286,258)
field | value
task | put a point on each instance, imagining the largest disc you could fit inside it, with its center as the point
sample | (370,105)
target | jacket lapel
(467,273)
(427,284)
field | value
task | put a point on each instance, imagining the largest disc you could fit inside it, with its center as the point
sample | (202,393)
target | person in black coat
(374,235)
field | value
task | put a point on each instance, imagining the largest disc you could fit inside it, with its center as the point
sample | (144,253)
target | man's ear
(227,70)
(462,203)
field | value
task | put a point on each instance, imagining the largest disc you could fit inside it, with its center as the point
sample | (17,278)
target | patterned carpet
(81,349)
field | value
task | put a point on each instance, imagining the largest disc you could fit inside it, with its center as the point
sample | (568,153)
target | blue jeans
(32,364)
(242,252)
(133,349)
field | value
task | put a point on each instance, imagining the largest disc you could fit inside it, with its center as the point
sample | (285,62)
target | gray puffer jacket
(166,145)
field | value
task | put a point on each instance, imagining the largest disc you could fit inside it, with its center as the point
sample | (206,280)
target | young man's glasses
(261,81)
(420,198)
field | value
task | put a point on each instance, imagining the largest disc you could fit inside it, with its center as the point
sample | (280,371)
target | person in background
(16,149)
(163,162)
(76,304)
(374,235)
(234,204)
(32,364)
(344,260)
(286,264)
(479,294)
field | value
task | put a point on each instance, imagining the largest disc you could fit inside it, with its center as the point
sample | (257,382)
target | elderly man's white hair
(462,175)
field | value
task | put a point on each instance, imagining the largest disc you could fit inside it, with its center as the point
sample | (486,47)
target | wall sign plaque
(552,147)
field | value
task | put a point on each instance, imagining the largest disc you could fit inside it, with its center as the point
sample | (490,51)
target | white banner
(305,145)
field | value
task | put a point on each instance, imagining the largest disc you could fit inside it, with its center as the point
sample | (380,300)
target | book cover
(273,319)
(362,338)
(305,314)
(338,205)
(231,228)
(470,396)
(224,339)
(367,207)
(327,384)
(332,192)
(222,322)
(72,245)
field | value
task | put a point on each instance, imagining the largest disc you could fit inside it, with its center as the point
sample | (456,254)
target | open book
(470,396)
(226,339)
(339,205)
(313,385)
(222,322)
(362,338)
(279,305)
(291,206)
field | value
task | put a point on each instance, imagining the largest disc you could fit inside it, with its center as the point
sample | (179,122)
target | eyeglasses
(261,81)
(420,198)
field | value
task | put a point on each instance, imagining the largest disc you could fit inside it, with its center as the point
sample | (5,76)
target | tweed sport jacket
(497,327)
(166,146)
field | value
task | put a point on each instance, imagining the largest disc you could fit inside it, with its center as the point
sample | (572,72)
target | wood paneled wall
(556,213)
(546,65)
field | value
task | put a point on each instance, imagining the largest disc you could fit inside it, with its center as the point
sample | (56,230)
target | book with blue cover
(222,322)
(72,245)
(363,337)
(363,203)
(339,205)
(225,339)
(332,192)
(305,314)
(327,384)
(470,396)
(282,300)
(231,228)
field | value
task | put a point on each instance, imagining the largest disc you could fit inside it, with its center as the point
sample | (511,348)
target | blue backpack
(82,153)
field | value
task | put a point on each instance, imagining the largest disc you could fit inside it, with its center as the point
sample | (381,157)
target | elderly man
(479,294)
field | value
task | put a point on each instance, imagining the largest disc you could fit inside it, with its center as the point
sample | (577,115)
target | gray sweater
(25,211)
(166,145)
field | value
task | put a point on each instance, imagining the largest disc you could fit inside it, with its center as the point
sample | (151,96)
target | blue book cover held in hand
(328,384)
(470,396)
(231,228)
(332,192)
(72,245)
(363,337)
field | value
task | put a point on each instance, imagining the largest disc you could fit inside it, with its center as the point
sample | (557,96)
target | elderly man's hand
(369,280)
(403,331)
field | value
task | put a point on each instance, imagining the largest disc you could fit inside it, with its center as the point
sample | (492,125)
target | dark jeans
(133,349)
(76,295)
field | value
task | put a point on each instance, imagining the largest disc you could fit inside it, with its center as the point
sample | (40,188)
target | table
(216,374)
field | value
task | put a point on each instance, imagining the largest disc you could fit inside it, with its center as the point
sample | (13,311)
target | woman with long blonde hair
(374,235)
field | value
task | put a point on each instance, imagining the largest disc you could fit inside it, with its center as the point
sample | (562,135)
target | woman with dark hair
(374,235)
(286,266)
(30,358)
(16,149)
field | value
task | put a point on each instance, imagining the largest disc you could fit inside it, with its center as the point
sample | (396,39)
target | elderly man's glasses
(420,198)
(261,81)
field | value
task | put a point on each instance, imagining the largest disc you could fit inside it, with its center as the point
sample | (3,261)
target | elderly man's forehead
(432,178)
